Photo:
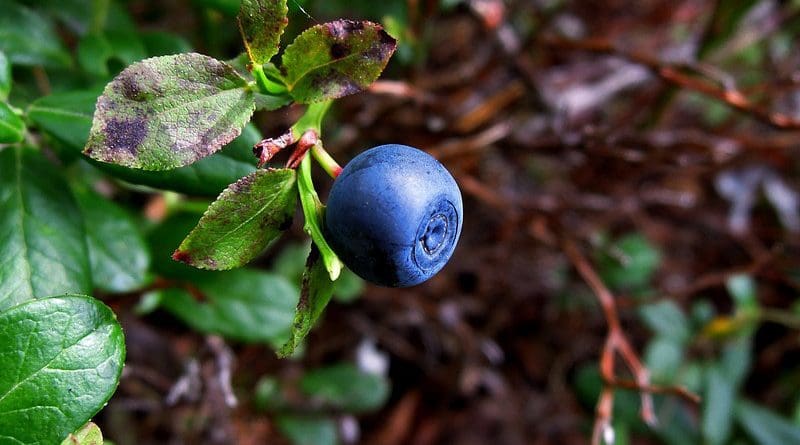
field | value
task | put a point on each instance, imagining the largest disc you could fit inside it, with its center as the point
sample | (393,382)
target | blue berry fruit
(394,215)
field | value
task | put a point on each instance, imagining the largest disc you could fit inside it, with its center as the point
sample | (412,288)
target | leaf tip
(182,256)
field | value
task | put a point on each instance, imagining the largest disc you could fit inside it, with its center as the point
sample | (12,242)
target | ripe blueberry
(394,215)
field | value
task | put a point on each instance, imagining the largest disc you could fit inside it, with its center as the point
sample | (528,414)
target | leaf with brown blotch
(244,219)
(168,112)
(261,23)
(336,59)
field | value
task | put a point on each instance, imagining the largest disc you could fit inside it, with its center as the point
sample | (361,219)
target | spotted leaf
(243,220)
(168,112)
(261,23)
(336,59)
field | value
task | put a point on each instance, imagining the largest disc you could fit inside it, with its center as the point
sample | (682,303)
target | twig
(675,74)
(616,343)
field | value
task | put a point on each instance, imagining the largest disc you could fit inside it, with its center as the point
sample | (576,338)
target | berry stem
(313,211)
(325,160)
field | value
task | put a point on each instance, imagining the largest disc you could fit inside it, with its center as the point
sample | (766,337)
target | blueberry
(394,215)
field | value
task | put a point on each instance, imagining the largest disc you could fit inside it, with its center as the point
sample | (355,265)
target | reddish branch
(616,343)
(703,80)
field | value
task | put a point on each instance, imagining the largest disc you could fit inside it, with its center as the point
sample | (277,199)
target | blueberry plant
(179,121)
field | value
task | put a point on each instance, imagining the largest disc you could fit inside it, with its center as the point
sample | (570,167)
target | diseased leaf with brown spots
(261,23)
(242,221)
(170,111)
(336,59)
(316,292)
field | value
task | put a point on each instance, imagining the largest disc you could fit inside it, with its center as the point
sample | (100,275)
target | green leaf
(261,23)
(347,388)
(743,291)
(95,51)
(5,76)
(42,242)
(65,116)
(243,220)
(630,263)
(90,434)
(169,111)
(310,430)
(315,293)
(336,59)
(313,212)
(29,38)
(664,357)
(718,406)
(159,43)
(12,128)
(764,426)
(62,358)
(118,252)
(241,304)
(667,320)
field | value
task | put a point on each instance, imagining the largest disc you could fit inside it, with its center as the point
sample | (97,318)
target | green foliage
(242,304)
(178,121)
(5,76)
(12,128)
(28,37)
(336,59)
(308,430)
(261,23)
(628,264)
(90,434)
(347,388)
(62,358)
(315,293)
(764,426)
(43,251)
(169,111)
(118,254)
(240,224)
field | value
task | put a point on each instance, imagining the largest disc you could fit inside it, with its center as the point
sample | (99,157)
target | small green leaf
(241,304)
(315,293)
(12,128)
(766,427)
(261,23)
(313,212)
(240,224)
(630,263)
(118,252)
(43,250)
(336,59)
(169,111)
(90,434)
(718,405)
(29,38)
(666,319)
(62,358)
(347,388)
(5,76)
(311,430)
(743,291)
(664,357)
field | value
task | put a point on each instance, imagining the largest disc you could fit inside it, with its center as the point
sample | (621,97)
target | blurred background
(653,143)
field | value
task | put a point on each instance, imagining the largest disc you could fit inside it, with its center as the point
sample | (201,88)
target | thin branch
(616,343)
(676,74)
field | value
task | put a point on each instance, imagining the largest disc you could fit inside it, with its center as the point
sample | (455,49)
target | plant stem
(261,78)
(311,119)
(325,160)
(313,212)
